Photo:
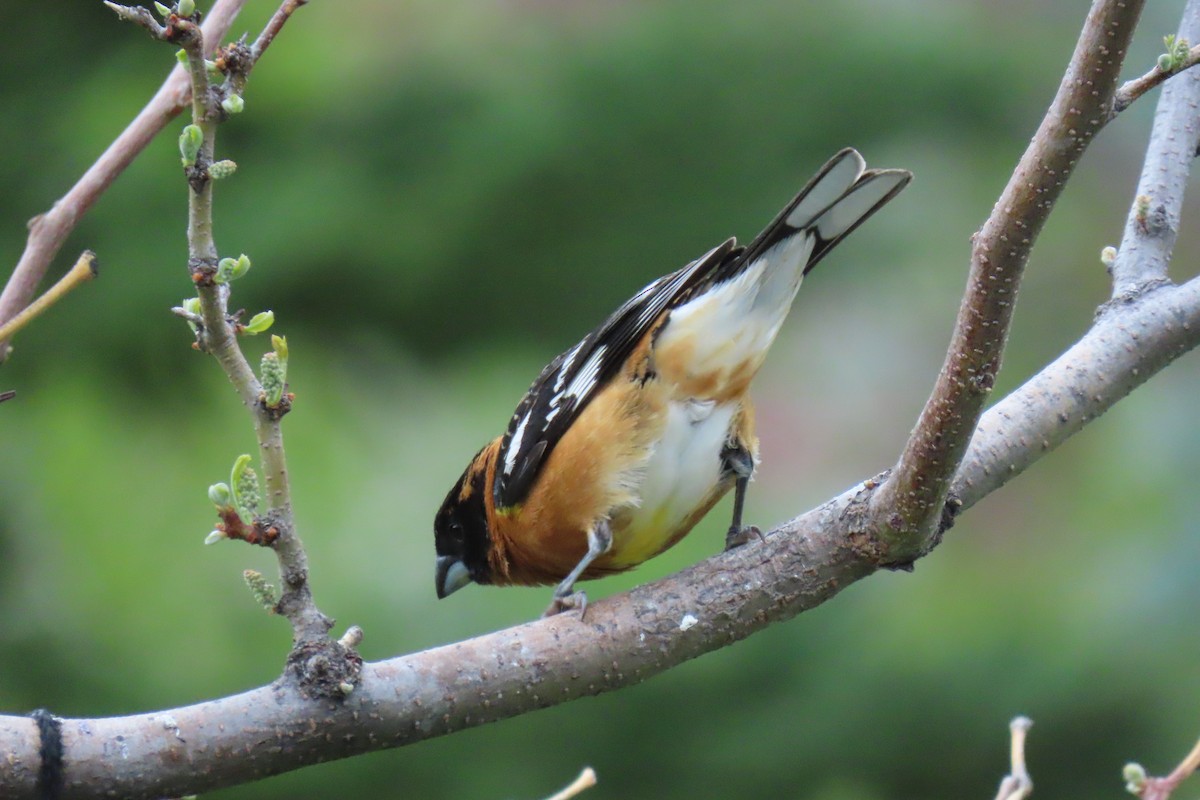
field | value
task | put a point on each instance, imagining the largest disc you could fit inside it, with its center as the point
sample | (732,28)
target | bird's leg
(738,460)
(600,540)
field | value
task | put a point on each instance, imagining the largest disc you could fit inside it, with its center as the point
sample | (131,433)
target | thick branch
(910,501)
(48,231)
(625,640)
(1153,221)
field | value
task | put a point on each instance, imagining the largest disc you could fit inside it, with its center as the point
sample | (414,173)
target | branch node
(321,668)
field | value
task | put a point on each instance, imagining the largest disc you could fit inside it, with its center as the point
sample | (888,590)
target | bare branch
(1127,345)
(139,16)
(49,230)
(909,503)
(1017,785)
(1153,221)
(274,25)
(83,271)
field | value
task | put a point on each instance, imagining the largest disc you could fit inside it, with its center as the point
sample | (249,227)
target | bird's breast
(679,483)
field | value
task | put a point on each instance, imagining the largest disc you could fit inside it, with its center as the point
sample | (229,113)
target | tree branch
(626,639)
(217,334)
(1153,221)
(83,271)
(49,230)
(909,504)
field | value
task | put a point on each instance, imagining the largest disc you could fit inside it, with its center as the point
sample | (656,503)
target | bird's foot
(740,536)
(566,602)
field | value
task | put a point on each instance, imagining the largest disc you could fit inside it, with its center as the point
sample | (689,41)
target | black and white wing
(570,381)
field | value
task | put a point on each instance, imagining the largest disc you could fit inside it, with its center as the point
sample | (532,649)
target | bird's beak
(452,575)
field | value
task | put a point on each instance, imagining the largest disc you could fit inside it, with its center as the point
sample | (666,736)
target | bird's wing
(570,381)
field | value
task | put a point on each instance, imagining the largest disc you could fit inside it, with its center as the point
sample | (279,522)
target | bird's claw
(740,536)
(566,602)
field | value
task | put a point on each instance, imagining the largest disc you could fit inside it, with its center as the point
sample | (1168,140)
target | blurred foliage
(439,197)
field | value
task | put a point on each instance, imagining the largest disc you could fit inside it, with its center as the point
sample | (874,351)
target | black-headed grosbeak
(628,438)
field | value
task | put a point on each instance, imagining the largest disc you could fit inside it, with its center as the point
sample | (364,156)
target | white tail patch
(833,184)
(846,213)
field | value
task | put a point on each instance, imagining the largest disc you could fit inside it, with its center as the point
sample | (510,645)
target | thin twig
(273,26)
(48,231)
(83,271)
(7,395)
(1017,785)
(1162,788)
(585,781)
(218,336)
(1153,221)
(139,16)
(1132,90)
(908,506)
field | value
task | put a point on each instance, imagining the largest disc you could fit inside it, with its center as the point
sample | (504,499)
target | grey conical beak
(452,575)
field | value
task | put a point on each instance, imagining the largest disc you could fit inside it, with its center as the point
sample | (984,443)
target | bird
(628,438)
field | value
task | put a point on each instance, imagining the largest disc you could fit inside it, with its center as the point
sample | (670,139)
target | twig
(218,336)
(1162,788)
(1017,785)
(585,781)
(139,16)
(1153,221)
(7,395)
(273,26)
(908,506)
(1132,90)
(48,231)
(83,271)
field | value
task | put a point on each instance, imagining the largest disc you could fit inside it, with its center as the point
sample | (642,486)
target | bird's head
(460,530)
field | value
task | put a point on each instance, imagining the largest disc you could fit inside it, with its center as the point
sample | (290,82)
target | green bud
(215,536)
(1108,256)
(279,344)
(229,269)
(221,169)
(274,378)
(247,494)
(162,10)
(259,323)
(192,306)
(225,268)
(214,74)
(189,144)
(220,494)
(233,104)
(1141,209)
(185,8)
(263,591)
(245,488)
(1165,62)
(345,687)
(1135,778)
(181,57)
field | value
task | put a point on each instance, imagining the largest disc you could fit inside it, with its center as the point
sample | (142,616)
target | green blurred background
(438,197)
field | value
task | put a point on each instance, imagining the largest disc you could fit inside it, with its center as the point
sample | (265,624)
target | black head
(460,533)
